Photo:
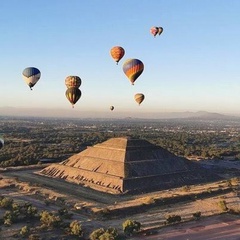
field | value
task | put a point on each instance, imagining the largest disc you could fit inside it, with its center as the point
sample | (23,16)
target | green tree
(25,231)
(76,228)
(49,219)
(6,202)
(96,234)
(131,226)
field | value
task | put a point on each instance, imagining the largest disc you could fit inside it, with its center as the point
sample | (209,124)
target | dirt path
(62,186)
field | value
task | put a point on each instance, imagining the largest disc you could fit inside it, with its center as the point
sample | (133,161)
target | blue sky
(192,66)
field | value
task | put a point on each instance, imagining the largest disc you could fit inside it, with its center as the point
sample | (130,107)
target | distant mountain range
(74,113)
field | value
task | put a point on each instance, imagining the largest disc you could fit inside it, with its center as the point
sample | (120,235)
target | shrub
(173,219)
(24,231)
(63,213)
(106,236)
(76,228)
(196,215)
(6,203)
(49,219)
(186,188)
(96,234)
(29,211)
(10,217)
(131,226)
(101,234)
(223,205)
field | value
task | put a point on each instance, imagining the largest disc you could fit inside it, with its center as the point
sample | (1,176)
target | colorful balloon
(139,97)
(133,68)
(117,53)
(156,30)
(111,108)
(73,95)
(31,75)
(73,81)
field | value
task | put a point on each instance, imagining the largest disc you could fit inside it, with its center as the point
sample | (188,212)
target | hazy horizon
(191,66)
(76,113)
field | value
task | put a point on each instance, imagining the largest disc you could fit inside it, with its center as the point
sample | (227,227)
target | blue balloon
(31,75)
(30,71)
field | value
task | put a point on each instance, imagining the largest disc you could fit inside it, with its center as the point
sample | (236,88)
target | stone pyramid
(124,164)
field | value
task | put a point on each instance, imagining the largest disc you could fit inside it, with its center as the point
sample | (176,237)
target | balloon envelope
(133,68)
(139,97)
(73,95)
(73,81)
(117,53)
(111,108)
(160,30)
(31,75)
(154,31)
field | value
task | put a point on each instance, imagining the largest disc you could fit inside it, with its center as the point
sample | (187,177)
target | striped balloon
(139,97)
(73,81)
(73,95)
(133,68)
(117,53)
(31,75)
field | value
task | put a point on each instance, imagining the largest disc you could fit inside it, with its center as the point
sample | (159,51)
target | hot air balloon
(73,81)
(160,30)
(111,108)
(1,143)
(31,75)
(156,30)
(133,68)
(73,95)
(139,97)
(117,53)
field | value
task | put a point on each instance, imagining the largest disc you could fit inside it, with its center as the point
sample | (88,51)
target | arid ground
(96,209)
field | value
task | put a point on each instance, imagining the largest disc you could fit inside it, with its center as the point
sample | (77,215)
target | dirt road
(62,186)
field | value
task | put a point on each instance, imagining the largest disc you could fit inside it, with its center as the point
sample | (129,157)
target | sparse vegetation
(102,234)
(173,219)
(131,226)
(6,202)
(197,215)
(75,228)
(186,188)
(49,220)
(223,205)
(25,231)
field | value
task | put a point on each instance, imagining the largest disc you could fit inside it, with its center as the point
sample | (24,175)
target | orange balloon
(139,97)
(117,53)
